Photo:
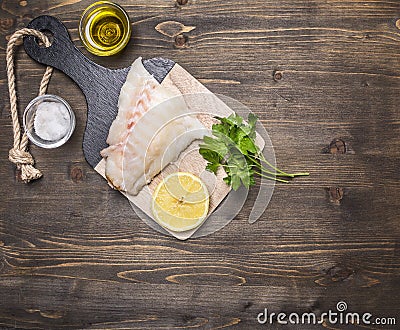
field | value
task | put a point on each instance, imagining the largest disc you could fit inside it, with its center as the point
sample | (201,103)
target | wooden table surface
(322,75)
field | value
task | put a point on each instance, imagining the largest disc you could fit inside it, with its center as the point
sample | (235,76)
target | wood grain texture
(74,255)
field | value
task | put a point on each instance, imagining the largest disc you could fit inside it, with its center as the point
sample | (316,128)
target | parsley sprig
(233,147)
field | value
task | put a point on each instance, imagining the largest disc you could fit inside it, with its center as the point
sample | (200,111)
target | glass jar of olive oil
(104,28)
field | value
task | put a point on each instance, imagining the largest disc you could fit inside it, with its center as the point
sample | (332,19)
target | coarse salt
(52,121)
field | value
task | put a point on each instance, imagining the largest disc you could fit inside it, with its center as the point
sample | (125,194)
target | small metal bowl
(29,118)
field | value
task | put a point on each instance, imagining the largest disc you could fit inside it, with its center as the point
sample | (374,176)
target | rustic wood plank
(315,72)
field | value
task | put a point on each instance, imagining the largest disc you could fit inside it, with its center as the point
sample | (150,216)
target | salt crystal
(52,121)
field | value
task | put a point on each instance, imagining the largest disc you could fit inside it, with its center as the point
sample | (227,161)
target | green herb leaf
(246,145)
(233,146)
(213,159)
(217,145)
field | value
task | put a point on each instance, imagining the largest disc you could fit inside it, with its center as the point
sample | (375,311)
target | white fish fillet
(152,128)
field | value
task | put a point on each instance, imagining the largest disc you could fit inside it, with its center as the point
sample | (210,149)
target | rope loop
(19,154)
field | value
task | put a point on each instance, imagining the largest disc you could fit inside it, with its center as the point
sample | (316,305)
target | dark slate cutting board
(100,85)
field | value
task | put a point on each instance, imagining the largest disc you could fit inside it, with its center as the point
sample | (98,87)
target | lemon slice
(180,202)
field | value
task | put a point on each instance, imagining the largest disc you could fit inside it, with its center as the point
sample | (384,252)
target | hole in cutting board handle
(49,35)
(61,44)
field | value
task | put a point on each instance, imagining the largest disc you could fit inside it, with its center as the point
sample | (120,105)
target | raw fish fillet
(152,128)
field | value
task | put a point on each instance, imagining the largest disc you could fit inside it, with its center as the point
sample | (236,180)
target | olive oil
(105,28)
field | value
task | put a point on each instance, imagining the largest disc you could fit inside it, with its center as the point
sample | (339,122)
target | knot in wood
(337,146)
(182,2)
(180,40)
(340,273)
(277,75)
(6,24)
(76,174)
(336,195)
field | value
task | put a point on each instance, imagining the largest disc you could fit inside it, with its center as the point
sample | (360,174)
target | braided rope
(19,154)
